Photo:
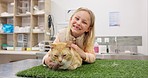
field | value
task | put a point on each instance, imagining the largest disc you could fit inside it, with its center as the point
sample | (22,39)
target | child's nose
(79,22)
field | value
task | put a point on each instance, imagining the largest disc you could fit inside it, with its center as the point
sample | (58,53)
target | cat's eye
(64,55)
(55,55)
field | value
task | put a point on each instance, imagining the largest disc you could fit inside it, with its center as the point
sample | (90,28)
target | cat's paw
(55,66)
(72,67)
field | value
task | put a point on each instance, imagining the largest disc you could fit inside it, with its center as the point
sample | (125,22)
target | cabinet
(26,23)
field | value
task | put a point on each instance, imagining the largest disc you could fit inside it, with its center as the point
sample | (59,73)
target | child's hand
(75,47)
(69,43)
(79,51)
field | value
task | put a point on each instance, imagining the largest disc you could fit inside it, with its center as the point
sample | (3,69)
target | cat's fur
(65,56)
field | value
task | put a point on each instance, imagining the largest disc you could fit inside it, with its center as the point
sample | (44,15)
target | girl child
(81,32)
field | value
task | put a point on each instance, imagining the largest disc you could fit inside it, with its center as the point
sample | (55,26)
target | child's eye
(84,22)
(76,18)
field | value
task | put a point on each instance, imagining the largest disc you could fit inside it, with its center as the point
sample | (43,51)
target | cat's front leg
(54,66)
(51,65)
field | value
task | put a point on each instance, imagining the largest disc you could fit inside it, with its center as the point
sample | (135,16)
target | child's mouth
(76,28)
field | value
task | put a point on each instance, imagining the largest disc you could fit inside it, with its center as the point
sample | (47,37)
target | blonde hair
(89,36)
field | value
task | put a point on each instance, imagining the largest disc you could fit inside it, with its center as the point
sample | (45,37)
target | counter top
(109,56)
(9,70)
(18,52)
(40,55)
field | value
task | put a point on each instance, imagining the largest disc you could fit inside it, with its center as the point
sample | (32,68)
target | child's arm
(89,57)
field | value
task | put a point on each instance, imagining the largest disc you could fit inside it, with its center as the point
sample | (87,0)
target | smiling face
(80,23)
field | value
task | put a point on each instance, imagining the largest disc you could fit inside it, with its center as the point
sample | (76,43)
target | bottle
(96,47)
(107,49)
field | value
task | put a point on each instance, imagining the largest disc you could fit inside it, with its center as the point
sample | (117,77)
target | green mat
(99,69)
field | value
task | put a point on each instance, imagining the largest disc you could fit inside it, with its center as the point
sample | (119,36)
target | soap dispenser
(96,47)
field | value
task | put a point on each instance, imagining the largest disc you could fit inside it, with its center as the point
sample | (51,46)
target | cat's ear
(52,45)
(68,43)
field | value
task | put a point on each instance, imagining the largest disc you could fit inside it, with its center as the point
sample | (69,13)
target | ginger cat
(64,56)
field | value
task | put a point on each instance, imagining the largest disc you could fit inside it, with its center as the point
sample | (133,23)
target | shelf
(7,33)
(23,15)
(41,14)
(22,32)
(8,16)
(7,1)
(25,18)
(38,32)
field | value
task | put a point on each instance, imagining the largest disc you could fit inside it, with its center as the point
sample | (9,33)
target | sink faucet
(116,46)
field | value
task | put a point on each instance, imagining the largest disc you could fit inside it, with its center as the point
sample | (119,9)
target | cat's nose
(60,61)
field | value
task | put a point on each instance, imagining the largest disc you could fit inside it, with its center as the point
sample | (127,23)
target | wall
(133,17)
